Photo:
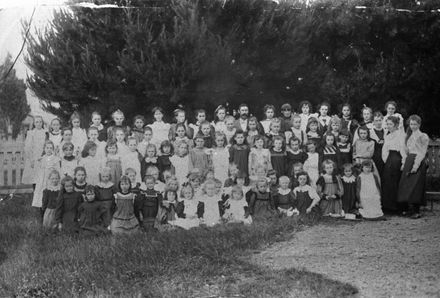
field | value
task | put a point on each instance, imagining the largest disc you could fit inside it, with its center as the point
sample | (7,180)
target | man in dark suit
(242,122)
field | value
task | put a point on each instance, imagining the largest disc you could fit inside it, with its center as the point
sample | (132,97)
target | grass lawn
(198,263)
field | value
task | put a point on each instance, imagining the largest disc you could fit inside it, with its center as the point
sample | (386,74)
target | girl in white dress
(368,192)
(79,135)
(219,122)
(237,210)
(180,162)
(55,135)
(210,200)
(69,161)
(191,208)
(269,112)
(259,156)
(311,165)
(132,159)
(306,110)
(159,127)
(44,166)
(220,157)
(91,162)
(33,150)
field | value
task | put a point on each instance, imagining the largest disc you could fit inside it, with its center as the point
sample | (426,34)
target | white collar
(350,179)
(284,191)
(105,185)
(53,188)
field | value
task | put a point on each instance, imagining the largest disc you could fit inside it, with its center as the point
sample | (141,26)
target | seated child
(236,207)
(284,200)
(306,196)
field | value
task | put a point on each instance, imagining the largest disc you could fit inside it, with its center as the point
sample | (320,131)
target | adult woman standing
(412,183)
(393,152)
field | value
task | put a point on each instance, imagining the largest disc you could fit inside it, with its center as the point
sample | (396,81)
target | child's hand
(308,210)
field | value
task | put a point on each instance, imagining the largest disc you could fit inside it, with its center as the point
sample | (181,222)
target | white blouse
(394,141)
(417,144)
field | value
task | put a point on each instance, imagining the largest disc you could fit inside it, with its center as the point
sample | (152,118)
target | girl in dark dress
(50,196)
(284,200)
(345,148)
(163,161)
(313,133)
(91,212)
(349,199)
(412,183)
(377,134)
(330,152)
(306,196)
(67,206)
(105,194)
(239,153)
(278,157)
(261,204)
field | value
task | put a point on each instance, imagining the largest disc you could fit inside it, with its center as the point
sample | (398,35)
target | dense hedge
(203,53)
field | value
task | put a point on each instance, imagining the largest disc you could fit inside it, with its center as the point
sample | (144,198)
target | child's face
(284,184)
(173,184)
(219,141)
(229,124)
(297,169)
(391,109)
(80,176)
(167,175)
(158,115)
(209,175)
(38,122)
(151,152)
(297,123)
(195,183)
(294,145)
(286,112)
(366,114)
(269,114)
(96,120)
(276,127)
(335,126)
(261,187)
(201,117)
(260,172)
(180,132)
(183,149)
(278,144)
(363,134)
(171,196)
(112,150)
(149,183)
(313,127)
(273,179)
(132,145)
(206,129)
(67,136)
(187,193)
(328,169)
(348,172)
(240,181)
(259,143)
(148,134)
(252,125)
(210,189)
(120,136)
(132,176)
(139,123)
(346,111)
(166,149)
(155,174)
(330,140)
(124,186)
(237,196)
(180,117)
(305,109)
(221,114)
(54,180)
(93,135)
(302,180)
(68,151)
(378,122)
(68,186)
(92,151)
(90,196)
(76,122)
(323,110)
(200,143)
(105,177)
(118,118)
(343,139)
(366,169)
(48,149)
(311,148)
(239,138)
(56,125)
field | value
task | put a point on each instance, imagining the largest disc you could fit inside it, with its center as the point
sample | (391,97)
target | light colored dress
(191,219)
(211,215)
(266,125)
(114,163)
(236,212)
(369,196)
(220,126)
(122,149)
(259,158)
(56,139)
(181,167)
(311,166)
(220,162)
(305,120)
(79,138)
(33,150)
(131,160)
(230,135)
(44,167)
(93,168)
(68,167)
(160,132)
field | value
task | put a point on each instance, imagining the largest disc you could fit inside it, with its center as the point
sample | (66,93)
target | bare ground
(399,257)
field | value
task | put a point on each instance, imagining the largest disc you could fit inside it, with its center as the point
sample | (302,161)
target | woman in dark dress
(377,134)
(412,182)
(392,152)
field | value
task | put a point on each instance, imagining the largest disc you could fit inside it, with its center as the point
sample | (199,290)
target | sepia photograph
(220,148)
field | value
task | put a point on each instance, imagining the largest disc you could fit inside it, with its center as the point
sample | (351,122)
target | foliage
(209,52)
(13,105)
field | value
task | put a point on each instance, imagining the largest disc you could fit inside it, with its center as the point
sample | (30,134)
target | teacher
(412,182)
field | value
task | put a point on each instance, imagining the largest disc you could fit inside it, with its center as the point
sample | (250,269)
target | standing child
(252,131)
(118,119)
(150,159)
(345,148)
(230,129)
(278,156)
(219,119)
(207,132)
(113,161)
(236,207)
(306,113)
(306,196)
(367,120)
(284,200)
(311,165)
(146,140)
(50,197)
(159,127)
(153,171)
(55,135)
(105,192)
(132,159)
(200,117)
(180,116)
(313,133)
(269,113)
(163,161)
(181,136)
(79,135)
(91,212)
(67,206)
(296,131)
(135,184)
(33,150)
(180,162)
(220,157)
(239,153)
(294,154)
(368,192)
(68,162)
(324,118)
(66,132)
(124,220)
(199,157)
(138,128)
(330,189)
(261,204)
(347,121)
(334,126)
(349,198)
(91,163)
(211,201)
(120,137)
(259,156)
(363,147)
(45,165)
(148,203)
(93,135)
(275,131)
(96,123)
(79,182)
(330,151)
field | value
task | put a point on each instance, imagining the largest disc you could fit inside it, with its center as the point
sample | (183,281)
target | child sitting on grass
(261,205)
(236,207)
(211,201)
(124,220)
(306,196)
(50,197)
(284,200)
(91,212)
(66,215)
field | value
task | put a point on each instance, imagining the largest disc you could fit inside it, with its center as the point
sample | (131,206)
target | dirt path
(399,257)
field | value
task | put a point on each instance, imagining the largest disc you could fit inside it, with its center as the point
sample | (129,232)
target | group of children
(160,176)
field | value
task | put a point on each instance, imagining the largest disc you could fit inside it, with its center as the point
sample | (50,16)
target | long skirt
(412,186)
(390,183)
